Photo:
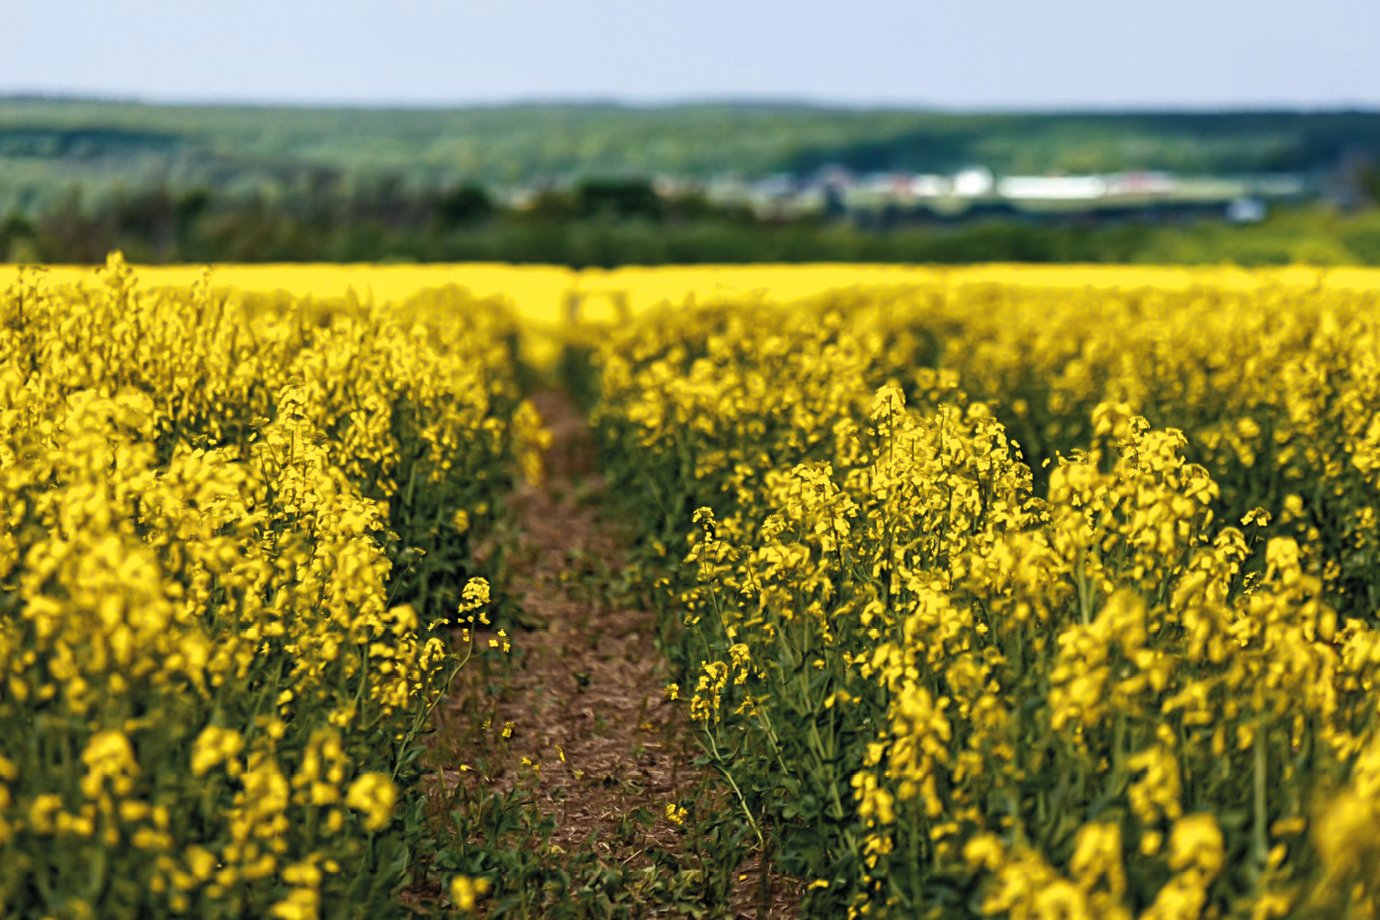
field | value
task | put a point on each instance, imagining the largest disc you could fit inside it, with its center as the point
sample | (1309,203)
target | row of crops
(985,594)
(1020,601)
(232,539)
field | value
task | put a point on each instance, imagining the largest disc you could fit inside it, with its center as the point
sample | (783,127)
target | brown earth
(593,735)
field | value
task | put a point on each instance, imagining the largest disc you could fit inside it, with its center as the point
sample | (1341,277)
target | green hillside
(47,147)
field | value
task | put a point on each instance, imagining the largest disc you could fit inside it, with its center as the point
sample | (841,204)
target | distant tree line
(45,144)
(611,222)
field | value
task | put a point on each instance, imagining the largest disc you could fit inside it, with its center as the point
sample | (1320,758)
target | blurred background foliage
(201,183)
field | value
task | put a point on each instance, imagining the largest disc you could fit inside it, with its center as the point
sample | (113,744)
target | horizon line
(593,100)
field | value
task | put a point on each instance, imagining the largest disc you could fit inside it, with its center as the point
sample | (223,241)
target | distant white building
(1140,184)
(929,186)
(974,182)
(1246,211)
(1052,188)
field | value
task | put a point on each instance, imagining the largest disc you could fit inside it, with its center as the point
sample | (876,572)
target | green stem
(1259,841)
(742,801)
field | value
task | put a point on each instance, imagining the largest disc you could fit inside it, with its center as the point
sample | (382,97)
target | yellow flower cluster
(1022,600)
(211,514)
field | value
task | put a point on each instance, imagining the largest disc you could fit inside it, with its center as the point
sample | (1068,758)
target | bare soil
(585,699)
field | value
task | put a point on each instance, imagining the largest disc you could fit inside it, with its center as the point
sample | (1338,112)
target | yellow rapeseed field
(1000,593)
(542,295)
(210,694)
(1017,591)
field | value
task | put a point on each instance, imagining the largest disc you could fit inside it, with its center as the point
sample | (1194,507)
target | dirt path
(586,704)
(590,682)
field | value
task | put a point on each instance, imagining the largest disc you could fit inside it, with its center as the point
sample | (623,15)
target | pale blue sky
(957,53)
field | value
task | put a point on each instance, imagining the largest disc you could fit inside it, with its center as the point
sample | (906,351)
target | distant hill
(48,147)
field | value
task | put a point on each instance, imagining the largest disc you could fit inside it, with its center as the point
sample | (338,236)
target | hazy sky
(955,53)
